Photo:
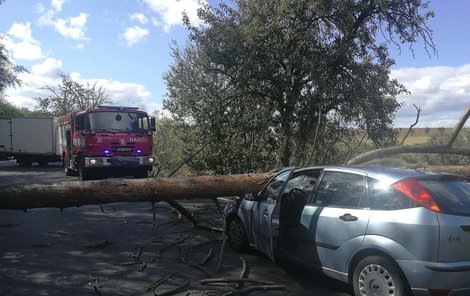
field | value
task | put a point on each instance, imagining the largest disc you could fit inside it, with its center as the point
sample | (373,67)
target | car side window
(385,197)
(305,181)
(340,189)
(272,192)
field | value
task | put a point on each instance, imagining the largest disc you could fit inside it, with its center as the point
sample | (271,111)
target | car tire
(377,275)
(236,234)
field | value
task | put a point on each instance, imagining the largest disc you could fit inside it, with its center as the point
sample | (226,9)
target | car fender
(385,245)
(378,245)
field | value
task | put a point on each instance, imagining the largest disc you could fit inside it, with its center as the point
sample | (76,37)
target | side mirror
(153,124)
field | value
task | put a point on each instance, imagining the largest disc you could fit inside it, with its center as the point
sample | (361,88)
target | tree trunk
(68,194)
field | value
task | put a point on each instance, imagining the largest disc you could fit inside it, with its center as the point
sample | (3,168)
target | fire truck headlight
(151,160)
(92,161)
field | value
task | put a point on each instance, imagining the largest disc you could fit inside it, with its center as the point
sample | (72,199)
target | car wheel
(376,275)
(236,234)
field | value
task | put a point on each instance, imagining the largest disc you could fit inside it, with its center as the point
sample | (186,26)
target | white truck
(28,140)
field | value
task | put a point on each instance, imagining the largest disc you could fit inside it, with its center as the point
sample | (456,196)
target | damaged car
(385,231)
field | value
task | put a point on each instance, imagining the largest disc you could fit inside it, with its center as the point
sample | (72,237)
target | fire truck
(106,141)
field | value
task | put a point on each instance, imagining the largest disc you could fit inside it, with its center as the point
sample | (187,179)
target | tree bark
(68,194)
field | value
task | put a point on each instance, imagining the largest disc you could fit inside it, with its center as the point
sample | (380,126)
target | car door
(335,221)
(265,217)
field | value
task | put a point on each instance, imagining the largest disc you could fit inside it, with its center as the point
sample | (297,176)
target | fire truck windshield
(118,122)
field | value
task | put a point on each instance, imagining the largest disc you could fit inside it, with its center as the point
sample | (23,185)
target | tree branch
(411,126)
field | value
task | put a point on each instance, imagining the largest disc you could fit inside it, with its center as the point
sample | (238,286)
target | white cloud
(135,34)
(40,8)
(443,93)
(21,42)
(73,27)
(49,67)
(41,75)
(170,12)
(141,18)
(57,4)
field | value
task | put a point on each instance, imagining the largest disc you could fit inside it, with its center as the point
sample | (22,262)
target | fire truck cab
(106,141)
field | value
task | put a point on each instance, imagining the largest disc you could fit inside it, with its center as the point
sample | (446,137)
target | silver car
(385,231)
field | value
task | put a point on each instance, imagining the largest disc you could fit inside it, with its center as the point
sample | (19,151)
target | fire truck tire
(25,162)
(68,171)
(84,173)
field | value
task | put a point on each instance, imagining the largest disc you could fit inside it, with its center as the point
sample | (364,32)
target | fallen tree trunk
(69,194)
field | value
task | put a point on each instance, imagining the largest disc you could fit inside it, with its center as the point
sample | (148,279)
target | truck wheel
(68,172)
(25,163)
(43,163)
(376,275)
(84,173)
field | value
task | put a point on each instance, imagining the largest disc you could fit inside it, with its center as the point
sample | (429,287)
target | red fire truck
(106,141)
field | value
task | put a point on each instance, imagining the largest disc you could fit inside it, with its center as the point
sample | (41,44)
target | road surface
(124,248)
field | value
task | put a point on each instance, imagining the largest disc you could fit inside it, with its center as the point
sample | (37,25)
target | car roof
(387,174)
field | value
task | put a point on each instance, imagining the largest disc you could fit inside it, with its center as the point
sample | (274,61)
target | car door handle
(348,217)
(266,213)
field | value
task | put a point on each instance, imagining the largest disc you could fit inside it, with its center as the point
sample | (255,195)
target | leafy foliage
(70,96)
(8,71)
(7,109)
(277,82)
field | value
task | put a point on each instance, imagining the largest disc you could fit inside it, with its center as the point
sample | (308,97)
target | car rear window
(452,196)
(387,198)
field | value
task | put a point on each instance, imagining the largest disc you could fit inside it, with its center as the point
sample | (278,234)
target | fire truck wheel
(84,173)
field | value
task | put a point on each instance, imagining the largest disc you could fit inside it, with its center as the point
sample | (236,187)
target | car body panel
(332,237)
(454,242)
(262,230)
(415,228)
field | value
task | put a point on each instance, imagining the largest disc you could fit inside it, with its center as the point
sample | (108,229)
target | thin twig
(208,256)
(172,244)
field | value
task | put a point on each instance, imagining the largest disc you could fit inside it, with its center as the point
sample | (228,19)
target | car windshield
(452,195)
(118,121)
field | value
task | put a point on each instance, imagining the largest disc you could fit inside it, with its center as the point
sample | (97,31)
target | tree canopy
(70,96)
(8,71)
(283,81)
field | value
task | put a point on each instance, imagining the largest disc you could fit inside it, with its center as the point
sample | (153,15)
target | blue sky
(125,46)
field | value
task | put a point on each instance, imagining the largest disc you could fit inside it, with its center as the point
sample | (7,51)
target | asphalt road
(124,248)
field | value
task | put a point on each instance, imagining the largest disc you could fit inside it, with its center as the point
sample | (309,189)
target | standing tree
(8,71)
(304,71)
(71,96)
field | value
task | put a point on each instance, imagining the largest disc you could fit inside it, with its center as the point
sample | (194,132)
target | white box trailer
(28,140)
